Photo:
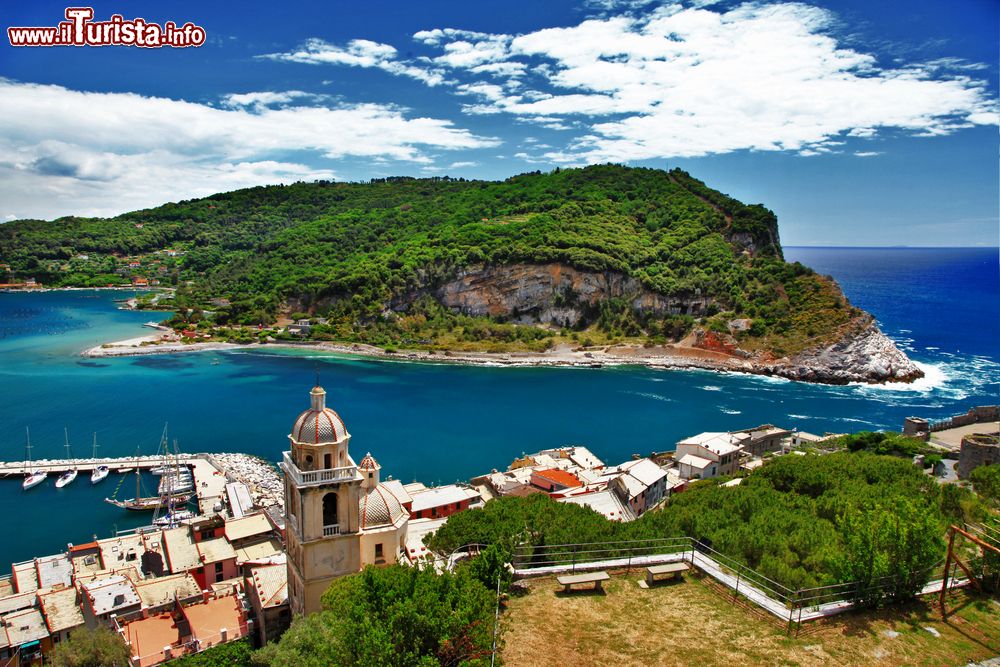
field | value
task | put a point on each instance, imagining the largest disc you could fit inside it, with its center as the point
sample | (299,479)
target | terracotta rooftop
(271,582)
(148,636)
(560,477)
(207,620)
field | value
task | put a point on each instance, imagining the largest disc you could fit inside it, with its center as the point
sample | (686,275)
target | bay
(439,423)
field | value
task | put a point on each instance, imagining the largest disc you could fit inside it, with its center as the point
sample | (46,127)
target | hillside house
(710,454)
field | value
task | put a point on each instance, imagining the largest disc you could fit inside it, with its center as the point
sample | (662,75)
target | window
(328,460)
(218,569)
(330,509)
(378,552)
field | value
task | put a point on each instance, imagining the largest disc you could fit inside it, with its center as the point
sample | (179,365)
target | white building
(710,454)
(641,484)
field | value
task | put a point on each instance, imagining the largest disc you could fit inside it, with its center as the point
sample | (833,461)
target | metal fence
(792,605)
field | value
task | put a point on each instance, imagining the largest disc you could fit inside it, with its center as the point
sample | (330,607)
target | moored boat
(173,518)
(33,479)
(70,475)
(150,503)
(66,478)
(99,473)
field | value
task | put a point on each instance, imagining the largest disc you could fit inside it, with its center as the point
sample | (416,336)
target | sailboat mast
(27,447)
(94,455)
(66,440)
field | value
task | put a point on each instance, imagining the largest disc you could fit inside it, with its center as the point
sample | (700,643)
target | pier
(211,474)
(59,466)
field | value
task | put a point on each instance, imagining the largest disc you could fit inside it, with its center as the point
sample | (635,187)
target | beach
(563,355)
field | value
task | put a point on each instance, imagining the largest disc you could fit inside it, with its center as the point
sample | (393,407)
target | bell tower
(323,488)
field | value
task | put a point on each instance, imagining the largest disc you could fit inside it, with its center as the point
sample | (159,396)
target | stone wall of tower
(320,548)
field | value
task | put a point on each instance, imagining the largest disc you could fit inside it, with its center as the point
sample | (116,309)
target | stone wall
(977,450)
(977,415)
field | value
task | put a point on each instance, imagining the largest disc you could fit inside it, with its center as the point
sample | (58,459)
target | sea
(439,423)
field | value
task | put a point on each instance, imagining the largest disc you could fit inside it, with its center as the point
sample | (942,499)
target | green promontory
(601,255)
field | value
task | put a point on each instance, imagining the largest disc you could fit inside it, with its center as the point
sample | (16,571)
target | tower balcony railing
(315,477)
(333,529)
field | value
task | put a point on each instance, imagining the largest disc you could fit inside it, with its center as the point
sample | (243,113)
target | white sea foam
(730,411)
(647,394)
(710,387)
(791,416)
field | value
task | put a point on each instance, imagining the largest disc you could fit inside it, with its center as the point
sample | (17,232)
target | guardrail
(793,606)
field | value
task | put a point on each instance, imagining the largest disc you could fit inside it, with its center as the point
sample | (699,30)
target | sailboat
(70,475)
(33,478)
(100,472)
(148,503)
(173,482)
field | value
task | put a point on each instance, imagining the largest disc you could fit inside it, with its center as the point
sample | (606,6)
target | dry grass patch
(694,623)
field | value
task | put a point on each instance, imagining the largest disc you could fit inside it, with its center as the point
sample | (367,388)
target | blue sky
(859,123)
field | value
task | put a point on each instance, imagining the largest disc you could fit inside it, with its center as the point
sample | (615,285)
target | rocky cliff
(866,356)
(553,294)
(563,296)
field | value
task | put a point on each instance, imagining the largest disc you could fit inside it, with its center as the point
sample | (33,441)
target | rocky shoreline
(868,356)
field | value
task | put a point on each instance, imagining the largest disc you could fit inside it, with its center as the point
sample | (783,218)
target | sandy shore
(620,355)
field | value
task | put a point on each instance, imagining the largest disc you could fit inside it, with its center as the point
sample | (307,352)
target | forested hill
(642,252)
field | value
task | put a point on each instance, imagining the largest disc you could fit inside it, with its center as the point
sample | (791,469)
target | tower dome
(379,507)
(319,425)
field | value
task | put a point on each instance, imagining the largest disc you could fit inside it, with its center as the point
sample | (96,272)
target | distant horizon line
(898,247)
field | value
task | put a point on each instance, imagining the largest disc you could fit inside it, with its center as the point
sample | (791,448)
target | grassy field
(696,623)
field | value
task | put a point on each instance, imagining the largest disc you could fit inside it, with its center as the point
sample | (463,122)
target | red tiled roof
(560,477)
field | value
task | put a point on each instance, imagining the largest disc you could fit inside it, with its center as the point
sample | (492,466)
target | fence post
(574,559)
(736,592)
(791,611)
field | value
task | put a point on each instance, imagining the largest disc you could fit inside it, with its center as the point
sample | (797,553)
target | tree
(986,482)
(393,616)
(889,548)
(100,647)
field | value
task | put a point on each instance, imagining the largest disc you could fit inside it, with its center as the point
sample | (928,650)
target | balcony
(331,530)
(315,477)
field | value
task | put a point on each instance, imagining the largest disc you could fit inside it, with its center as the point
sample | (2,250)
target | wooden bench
(570,580)
(667,570)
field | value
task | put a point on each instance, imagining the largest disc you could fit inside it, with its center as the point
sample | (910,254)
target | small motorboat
(174,518)
(66,478)
(34,479)
(100,472)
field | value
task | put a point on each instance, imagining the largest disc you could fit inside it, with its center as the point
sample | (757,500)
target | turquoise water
(440,423)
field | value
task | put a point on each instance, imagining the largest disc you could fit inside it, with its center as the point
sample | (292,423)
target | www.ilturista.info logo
(80,30)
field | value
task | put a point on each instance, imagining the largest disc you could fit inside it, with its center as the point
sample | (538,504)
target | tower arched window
(330,509)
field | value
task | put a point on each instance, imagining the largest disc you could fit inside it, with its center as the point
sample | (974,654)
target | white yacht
(33,478)
(99,472)
(66,478)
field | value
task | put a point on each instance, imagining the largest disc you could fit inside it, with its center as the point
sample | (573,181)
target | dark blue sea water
(440,423)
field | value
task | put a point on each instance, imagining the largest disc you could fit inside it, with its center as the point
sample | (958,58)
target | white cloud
(358,53)
(867,153)
(265,98)
(462,165)
(690,81)
(64,151)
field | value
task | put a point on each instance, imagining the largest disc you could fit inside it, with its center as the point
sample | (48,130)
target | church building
(340,517)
